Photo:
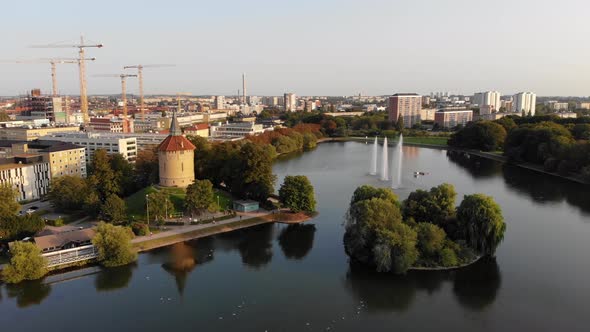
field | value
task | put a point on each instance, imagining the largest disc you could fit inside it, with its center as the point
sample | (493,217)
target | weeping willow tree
(481,220)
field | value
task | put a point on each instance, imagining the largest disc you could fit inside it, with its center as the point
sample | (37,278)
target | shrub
(140,229)
(448,257)
(26,263)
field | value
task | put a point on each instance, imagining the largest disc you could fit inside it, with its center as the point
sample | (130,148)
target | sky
(309,47)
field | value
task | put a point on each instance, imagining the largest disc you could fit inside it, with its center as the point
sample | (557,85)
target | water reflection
(110,279)
(28,293)
(547,189)
(297,240)
(475,287)
(183,257)
(478,167)
(254,244)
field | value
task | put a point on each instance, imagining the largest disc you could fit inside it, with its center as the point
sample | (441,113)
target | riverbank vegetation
(113,244)
(557,145)
(296,193)
(425,230)
(12,225)
(26,263)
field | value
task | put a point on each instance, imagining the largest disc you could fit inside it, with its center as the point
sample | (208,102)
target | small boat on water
(417,174)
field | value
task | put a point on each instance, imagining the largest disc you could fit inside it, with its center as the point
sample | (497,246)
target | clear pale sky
(310,47)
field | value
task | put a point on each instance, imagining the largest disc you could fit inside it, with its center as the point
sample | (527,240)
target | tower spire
(174,126)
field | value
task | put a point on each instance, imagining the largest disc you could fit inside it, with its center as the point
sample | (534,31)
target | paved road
(40,206)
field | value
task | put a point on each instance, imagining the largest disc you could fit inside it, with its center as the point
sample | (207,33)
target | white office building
(220,102)
(524,102)
(31,180)
(124,144)
(236,130)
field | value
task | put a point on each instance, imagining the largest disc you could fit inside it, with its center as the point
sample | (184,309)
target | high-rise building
(491,98)
(290,102)
(220,102)
(525,102)
(406,106)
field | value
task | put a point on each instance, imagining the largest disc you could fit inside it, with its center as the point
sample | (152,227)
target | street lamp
(218,202)
(147,208)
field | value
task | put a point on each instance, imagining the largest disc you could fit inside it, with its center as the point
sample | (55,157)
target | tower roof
(175,141)
(174,126)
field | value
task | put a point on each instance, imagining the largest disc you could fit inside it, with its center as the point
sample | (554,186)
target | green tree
(68,193)
(253,178)
(367,192)
(395,249)
(297,194)
(160,206)
(114,209)
(200,197)
(436,206)
(147,168)
(8,201)
(431,238)
(399,125)
(309,141)
(26,263)
(481,221)
(124,174)
(114,245)
(102,177)
(481,135)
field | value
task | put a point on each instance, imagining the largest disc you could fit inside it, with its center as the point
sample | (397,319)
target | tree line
(559,145)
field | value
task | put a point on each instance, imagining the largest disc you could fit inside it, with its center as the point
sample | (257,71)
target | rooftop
(60,239)
(176,143)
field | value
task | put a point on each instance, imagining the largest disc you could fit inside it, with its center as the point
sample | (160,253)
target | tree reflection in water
(297,240)
(475,287)
(110,279)
(477,166)
(254,244)
(545,188)
(28,293)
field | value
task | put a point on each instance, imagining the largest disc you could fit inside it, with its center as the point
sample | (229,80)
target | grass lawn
(442,141)
(136,202)
(225,199)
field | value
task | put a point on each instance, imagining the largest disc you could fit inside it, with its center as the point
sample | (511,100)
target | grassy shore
(136,202)
(175,238)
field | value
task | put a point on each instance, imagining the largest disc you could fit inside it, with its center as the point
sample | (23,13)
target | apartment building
(406,106)
(28,174)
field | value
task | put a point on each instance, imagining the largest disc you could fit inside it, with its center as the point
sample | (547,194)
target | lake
(298,278)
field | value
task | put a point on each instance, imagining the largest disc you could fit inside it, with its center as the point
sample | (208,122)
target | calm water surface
(297,278)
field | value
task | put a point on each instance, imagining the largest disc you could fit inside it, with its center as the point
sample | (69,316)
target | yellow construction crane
(140,80)
(53,62)
(82,66)
(123,88)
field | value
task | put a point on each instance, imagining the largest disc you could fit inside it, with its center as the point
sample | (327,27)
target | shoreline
(445,268)
(487,155)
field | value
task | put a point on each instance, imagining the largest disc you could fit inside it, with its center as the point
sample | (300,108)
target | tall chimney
(244,88)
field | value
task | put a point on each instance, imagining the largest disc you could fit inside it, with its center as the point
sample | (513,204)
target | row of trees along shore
(426,230)
(558,145)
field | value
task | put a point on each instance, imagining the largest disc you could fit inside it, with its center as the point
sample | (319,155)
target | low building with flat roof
(236,130)
(110,142)
(29,133)
(452,117)
(246,206)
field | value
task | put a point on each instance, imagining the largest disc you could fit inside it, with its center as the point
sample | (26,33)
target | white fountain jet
(373,170)
(399,155)
(385,162)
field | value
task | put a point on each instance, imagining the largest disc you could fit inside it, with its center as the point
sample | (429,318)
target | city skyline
(336,47)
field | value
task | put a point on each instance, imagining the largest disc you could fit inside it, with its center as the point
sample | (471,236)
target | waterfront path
(174,234)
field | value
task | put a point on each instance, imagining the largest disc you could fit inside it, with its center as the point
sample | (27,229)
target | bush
(114,245)
(55,223)
(448,257)
(550,165)
(26,263)
(140,229)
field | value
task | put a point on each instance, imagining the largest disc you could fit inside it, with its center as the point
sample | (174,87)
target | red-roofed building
(199,129)
(176,158)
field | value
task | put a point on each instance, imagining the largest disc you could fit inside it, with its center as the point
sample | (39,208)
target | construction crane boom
(53,62)
(82,68)
(140,80)
(123,88)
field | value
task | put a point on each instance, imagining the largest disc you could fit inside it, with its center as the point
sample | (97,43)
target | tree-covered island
(426,230)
